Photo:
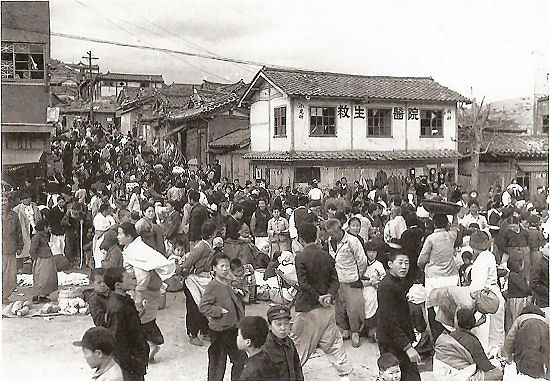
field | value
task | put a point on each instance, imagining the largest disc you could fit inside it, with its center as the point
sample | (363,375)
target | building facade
(310,125)
(25,89)
(111,84)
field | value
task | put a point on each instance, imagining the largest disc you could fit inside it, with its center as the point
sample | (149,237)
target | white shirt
(479,219)
(394,228)
(315,194)
(103,223)
(484,272)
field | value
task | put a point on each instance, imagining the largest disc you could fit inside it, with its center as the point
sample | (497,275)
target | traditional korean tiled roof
(235,139)
(338,85)
(131,77)
(512,145)
(353,155)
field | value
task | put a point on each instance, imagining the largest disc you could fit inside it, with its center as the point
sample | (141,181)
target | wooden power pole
(476,147)
(90,89)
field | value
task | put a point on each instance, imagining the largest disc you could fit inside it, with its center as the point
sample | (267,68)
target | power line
(164,50)
(139,40)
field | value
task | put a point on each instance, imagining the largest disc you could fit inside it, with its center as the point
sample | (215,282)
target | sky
(497,49)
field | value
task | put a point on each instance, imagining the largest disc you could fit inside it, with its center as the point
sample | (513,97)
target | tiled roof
(322,84)
(353,155)
(104,104)
(131,77)
(512,145)
(225,100)
(238,138)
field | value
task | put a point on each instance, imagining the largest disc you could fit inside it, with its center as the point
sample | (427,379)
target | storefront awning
(20,156)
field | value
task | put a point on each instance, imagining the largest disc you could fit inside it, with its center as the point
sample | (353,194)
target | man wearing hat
(484,276)
(98,345)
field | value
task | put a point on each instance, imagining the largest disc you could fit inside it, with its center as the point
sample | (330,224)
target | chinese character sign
(398,113)
(358,112)
(343,111)
(301,111)
(413,114)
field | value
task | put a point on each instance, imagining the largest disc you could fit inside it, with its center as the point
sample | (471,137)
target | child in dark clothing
(237,279)
(464,270)
(518,291)
(131,349)
(99,299)
(224,310)
(250,338)
(279,347)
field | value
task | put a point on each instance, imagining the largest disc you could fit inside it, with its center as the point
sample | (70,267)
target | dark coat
(316,276)
(98,308)
(131,349)
(259,367)
(40,246)
(283,353)
(54,217)
(394,325)
(12,238)
(217,296)
(197,216)
(539,282)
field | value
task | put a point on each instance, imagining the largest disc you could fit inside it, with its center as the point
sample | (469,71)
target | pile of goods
(71,302)
(73,306)
(20,308)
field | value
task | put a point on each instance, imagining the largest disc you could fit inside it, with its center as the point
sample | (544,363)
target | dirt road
(36,349)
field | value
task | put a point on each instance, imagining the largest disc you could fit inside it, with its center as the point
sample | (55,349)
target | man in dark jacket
(539,282)
(171,223)
(411,243)
(197,216)
(315,323)
(131,348)
(395,333)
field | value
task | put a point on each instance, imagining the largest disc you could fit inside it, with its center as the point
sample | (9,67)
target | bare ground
(38,349)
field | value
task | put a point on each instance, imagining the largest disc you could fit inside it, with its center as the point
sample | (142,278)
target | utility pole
(476,145)
(90,92)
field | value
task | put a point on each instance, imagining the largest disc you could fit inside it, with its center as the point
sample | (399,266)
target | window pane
(37,60)
(37,74)
(7,47)
(37,48)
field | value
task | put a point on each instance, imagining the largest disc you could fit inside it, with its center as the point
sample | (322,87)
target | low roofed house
(104,111)
(211,112)
(229,149)
(507,153)
(142,111)
(307,125)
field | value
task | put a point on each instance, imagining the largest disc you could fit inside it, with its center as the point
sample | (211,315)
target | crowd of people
(468,289)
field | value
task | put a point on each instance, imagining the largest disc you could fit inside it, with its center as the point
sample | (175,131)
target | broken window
(379,122)
(545,124)
(322,121)
(279,121)
(431,123)
(22,60)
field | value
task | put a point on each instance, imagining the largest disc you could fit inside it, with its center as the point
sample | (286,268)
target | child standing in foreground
(131,349)
(98,345)
(518,291)
(99,299)
(279,347)
(388,366)
(224,309)
(250,338)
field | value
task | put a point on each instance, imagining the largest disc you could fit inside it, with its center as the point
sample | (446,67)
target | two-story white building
(308,125)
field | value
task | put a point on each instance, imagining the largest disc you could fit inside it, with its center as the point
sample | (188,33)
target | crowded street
(266,223)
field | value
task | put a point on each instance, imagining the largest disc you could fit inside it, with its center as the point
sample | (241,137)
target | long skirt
(44,276)
(9,275)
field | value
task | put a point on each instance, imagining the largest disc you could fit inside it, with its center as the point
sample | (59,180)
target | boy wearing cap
(279,347)
(97,346)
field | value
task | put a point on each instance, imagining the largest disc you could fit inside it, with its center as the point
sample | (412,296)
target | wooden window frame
(375,120)
(328,129)
(279,122)
(22,54)
(438,123)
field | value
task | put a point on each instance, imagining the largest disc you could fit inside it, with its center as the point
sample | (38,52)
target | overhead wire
(139,40)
